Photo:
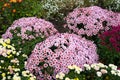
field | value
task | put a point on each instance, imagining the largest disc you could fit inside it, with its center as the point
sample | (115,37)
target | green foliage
(12,63)
(107,56)
(93,38)
(88,3)
(26,46)
(48,69)
(30,8)
(13,11)
(58,9)
(72,75)
(113,5)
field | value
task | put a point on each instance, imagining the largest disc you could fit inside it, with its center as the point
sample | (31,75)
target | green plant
(107,56)
(26,46)
(113,5)
(57,9)
(109,46)
(12,63)
(10,11)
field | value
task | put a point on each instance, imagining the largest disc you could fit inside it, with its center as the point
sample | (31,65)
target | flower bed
(32,49)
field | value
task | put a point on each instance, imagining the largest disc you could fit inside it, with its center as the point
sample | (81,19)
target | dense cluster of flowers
(10,67)
(91,20)
(59,51)
(32,24)
(4,43)
(9,4)
(111,38)
(96,71)
(113,5)
(59,6)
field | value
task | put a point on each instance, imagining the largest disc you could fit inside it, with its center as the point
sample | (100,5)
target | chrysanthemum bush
(57,52)
(27,32)
(35,25)
(109,46)
(12,63)
(90,21)
(96,71)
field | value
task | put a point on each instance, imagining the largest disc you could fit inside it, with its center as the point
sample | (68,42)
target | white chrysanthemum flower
(99,74)
(60,75)
(24,55)
(96,68)
(16,69)
(25,73)
(113,66)
(77,69)
(118,73)
(67,78)
(87,67)
(7,41)
(2,61)
(1,40)
(103,71)
(15,60)
(57,76)
(101,65)
(9,77)
(16,77)
(4,78)
(70,67)
(113,72)
(32,78)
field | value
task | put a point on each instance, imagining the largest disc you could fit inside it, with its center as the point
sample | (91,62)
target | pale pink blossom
(36,25)
(91,20)
(60,51)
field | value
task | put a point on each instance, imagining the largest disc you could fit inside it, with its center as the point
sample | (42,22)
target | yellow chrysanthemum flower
(4,44)
(9,56)
(76,79)
(3,74)
(7,41)
(8,52)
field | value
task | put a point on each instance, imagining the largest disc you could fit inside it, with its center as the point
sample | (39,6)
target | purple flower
(60,51)
(91,20)
(36,25)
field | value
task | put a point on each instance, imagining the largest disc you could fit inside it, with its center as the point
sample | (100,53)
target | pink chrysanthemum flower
(91,20)
(36,25)
(58,52)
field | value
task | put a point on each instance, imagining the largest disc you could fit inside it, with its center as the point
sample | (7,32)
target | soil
(59,26)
